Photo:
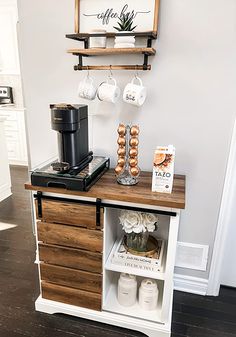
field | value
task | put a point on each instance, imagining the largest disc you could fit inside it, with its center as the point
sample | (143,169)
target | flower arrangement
(138,222)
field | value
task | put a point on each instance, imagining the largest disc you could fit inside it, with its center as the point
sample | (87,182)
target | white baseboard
(190,284)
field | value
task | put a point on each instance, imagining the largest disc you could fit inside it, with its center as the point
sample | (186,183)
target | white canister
(127,289)
(98,41)
(148,294)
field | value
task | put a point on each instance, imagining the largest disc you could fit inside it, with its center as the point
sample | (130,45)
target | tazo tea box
(163,169)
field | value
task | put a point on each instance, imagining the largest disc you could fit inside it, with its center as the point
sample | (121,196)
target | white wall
(190,101)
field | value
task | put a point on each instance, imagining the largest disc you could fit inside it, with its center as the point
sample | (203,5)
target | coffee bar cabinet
(76,233)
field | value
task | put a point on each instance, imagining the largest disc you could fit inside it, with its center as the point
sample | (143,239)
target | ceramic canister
(127,289)
(98,41)
(148,294)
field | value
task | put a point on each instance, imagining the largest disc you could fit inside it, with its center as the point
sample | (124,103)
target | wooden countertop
(108,188)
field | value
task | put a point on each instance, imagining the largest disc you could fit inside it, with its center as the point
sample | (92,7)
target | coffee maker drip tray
(74,179)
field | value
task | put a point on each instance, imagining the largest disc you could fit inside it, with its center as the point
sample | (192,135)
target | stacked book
(121,256)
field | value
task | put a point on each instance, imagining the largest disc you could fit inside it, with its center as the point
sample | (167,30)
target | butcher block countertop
(107,188)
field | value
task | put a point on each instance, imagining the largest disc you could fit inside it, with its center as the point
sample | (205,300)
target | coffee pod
(133,162)
(121,141)
(133,141)
(121,151)
(118,169)
(134,171)
(134,131)
(133,152)
(121,130)
(121,162)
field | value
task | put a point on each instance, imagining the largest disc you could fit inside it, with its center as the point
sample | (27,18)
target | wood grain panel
(70,257)
(72,296)
(70,236)
(107,188)
(70,213)
(71,278)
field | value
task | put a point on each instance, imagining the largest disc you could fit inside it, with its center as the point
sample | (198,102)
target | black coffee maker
(77,168)
(71,124)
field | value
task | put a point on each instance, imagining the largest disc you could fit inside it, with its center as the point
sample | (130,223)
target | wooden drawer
(71,278)
(70,213)
(72,296)
(70,236)
(71,258)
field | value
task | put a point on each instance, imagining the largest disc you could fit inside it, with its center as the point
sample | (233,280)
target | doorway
(223,266)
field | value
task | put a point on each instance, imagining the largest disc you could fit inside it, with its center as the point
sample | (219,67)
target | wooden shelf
(85,36)
(112,51)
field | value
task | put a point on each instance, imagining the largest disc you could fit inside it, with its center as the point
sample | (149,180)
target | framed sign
(104,14)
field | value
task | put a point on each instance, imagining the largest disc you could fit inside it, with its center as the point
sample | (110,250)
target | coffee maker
(71,124)
(77,168)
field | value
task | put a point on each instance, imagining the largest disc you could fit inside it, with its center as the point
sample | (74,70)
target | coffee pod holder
(127,170)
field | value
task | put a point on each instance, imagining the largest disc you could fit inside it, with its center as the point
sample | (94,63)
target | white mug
(135,94)
(87,89)
(108,92)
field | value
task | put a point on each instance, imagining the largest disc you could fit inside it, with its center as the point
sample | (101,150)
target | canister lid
(127,277)
(149,285)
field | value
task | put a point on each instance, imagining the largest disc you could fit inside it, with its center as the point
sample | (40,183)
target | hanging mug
(135,93)
(87,89)
(108,92)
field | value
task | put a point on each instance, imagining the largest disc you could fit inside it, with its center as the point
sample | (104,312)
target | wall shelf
(85,36)
(86,51)
(112,51)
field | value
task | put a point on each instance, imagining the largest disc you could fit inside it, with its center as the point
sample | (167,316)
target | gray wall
(190,103)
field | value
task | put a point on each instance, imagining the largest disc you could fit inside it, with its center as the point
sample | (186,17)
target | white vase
(124,41)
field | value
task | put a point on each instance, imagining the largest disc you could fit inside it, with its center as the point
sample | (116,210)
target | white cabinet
(5,179)
(9,59)
(15,136)
(65,242)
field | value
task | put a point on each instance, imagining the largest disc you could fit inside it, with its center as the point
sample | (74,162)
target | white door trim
(223,221)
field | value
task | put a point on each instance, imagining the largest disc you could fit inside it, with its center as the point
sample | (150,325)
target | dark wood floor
(194,316)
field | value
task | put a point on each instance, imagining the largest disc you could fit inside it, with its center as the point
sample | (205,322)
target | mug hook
(111,74)
(87,71)
(136,71)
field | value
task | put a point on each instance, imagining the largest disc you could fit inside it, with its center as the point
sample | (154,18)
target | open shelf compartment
(144,272)
(111,303)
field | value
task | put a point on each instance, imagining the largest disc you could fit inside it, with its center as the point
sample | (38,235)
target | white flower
(149,221)
(138,222)
(132,222)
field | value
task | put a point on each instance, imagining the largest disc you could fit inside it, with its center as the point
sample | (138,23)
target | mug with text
(135,93)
